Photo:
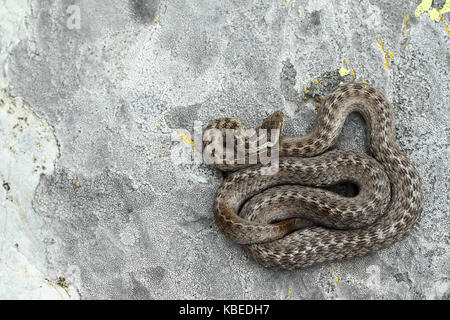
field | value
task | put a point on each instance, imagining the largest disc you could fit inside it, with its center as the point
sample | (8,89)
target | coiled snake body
(285,222)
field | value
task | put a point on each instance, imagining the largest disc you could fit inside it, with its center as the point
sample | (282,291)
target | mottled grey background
(132,224)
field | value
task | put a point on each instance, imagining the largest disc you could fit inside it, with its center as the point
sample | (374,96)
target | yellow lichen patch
(186,139)
(289,293)
(404,24)
(445,8)
(160,126)
(63,283)
(343,72)
(381,45)
(156,20)
(337,278)
(386,54)
(435,15)
(317,82)
(424,6)
(317,107)
(287,1)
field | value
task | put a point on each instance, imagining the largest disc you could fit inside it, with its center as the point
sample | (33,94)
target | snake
(293,219)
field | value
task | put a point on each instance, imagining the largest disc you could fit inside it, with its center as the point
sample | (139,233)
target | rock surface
(107,87)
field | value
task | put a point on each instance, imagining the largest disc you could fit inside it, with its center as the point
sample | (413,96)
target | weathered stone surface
(119,219)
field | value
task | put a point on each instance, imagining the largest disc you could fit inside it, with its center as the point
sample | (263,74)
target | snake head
(274,121)
(229,146)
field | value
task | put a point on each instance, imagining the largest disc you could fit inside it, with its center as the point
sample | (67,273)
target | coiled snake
(289,220)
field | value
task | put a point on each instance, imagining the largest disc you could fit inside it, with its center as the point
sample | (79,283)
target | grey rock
(134,225)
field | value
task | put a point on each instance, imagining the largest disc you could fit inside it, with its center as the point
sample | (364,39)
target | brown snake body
(285,222)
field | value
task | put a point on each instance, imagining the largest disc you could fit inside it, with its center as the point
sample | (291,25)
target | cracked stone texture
(122,220)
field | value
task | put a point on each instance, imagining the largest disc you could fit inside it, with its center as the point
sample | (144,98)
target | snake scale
(290,220)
